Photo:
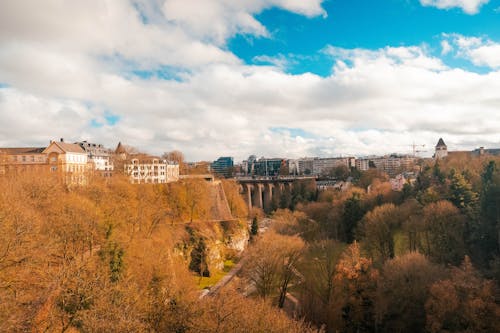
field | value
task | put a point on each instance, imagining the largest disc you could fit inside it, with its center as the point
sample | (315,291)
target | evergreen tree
(461,194)
(254,229)
(353,213)
(486,231)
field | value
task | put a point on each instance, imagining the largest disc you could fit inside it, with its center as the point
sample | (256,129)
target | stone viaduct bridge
(259,191)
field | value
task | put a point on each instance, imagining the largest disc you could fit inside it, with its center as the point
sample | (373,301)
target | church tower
(441,150)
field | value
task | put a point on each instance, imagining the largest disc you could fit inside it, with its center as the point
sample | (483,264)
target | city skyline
(277,78)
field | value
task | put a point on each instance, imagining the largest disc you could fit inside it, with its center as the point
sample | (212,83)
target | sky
(274,78)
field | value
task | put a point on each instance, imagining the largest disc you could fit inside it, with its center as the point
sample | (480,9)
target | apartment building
(322,166)
(70,160)
(99,156)
(144,169)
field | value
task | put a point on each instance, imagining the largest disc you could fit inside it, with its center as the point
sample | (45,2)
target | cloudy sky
(286,78)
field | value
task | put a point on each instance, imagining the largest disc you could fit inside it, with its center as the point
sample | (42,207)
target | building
(99,156)
(323,166)
(22,159)
(144,169)
(305,166)
(362,164)
(269,166)
(223,166)
(70,160)
(293,166)
(482,151)
(390,164)
(441,150)
(264,166)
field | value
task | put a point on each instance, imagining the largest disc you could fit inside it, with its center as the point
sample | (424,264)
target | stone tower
(441,150)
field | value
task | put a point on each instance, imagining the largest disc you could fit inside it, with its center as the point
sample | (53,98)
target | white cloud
(216,20)
(468,6)
(445,47)
(68,64)
(480,51)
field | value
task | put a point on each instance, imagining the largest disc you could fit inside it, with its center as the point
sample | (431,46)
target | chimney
(62,139)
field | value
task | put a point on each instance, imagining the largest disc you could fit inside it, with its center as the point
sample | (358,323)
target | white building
(151,170)
(99,156)
(362,164)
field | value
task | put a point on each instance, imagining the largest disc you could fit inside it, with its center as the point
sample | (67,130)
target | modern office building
(223,166)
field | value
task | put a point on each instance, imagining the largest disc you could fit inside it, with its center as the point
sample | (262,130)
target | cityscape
(267,166)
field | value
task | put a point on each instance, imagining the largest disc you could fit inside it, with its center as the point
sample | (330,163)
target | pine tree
(255,227)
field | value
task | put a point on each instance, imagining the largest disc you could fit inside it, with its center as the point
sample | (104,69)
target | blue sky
(362,24)
(276,78)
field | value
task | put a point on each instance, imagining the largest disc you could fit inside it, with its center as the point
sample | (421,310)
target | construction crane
(415,150)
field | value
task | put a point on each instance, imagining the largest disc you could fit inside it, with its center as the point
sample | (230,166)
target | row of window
(27,158)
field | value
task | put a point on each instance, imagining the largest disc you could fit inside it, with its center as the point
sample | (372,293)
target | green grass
(400,243)
(207,282)
(228,265)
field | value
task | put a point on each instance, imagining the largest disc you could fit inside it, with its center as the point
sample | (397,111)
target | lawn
(207,282)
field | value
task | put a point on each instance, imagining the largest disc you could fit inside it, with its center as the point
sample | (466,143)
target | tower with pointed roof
(441,150)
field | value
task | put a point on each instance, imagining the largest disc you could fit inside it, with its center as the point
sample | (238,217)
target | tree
(377,230)
(340,172)
(317,291)
(403,289)
(177,157)
(255,226)
(461,194)
(232,313)
(355,290)
(463,303)
(271,264)
(443,233)
(486,233)
(352,214)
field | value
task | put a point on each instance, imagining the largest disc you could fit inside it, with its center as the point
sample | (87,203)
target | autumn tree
(403,289)
(271,264)
(377,230)
(230,312)
(463,303)
(411,211)
(291,223)
(317,290)
(443,233)
(355,290)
